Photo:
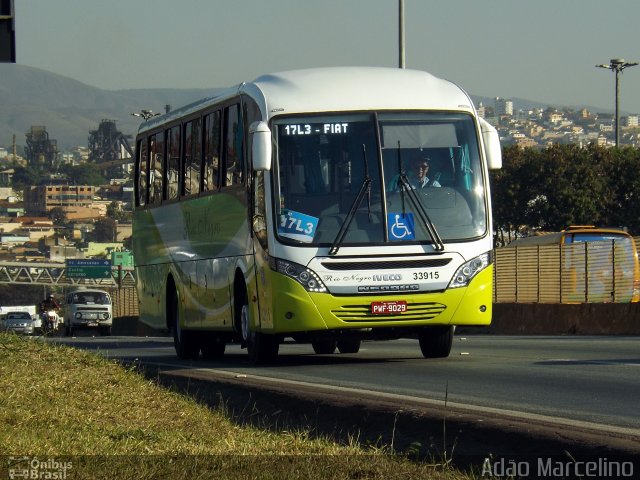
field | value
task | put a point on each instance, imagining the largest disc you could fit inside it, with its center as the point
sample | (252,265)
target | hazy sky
(542,50)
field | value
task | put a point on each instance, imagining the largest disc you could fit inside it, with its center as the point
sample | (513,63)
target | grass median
(67,409)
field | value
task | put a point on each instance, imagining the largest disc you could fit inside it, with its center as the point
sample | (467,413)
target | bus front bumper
(296,310)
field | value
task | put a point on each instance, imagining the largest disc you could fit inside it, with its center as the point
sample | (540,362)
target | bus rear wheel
(213,347)
(436,342)
(184,341)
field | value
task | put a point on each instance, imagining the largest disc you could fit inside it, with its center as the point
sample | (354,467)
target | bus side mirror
(491,140)
(260,146)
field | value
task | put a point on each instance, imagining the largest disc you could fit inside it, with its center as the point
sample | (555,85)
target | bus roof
(337,89)
(357,88)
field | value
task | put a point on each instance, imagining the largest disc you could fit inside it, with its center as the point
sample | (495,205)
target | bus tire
(213,347)
(184,341)
(349,346)
(436,342)
(324,347)
(261,347)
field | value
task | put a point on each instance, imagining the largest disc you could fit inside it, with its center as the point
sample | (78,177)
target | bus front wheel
(261,347)
(324,347)
(436,342)
(349,346)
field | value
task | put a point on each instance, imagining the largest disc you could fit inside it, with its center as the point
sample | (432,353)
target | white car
(19,322)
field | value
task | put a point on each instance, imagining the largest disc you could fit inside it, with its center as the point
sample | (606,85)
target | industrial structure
(40,150)
(110,149)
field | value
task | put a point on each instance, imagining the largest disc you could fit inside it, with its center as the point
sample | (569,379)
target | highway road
(579,379)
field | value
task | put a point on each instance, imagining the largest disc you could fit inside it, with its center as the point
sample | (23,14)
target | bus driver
(421,171)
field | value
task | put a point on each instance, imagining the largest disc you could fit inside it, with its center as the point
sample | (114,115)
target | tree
(105,230)
(509,194)
(623,184)
(58,216)
(24,177)
(84,174)
(571,179)
(115,212)
(21,294)
(553,188)
(127,243)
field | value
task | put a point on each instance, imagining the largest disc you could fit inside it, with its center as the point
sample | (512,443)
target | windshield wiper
(403,180)
(365,189)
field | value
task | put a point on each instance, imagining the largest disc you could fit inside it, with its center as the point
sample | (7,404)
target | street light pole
(617,65)
(401,51)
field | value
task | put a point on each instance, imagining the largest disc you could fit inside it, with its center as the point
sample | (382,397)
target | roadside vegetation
(62,406)
(549,189)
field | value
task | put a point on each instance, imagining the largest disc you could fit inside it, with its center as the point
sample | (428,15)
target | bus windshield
(90,298)
(338,169)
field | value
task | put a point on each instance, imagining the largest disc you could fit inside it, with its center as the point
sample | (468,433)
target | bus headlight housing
(303,275)
(470,269)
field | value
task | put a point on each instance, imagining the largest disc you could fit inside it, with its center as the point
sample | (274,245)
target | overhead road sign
(88,268)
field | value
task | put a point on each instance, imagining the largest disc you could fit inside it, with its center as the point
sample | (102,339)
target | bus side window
(234,158)
(191,158)
(156,168)
(173,162)
(141,172)
(211,164)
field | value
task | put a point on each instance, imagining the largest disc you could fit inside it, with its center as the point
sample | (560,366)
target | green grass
(109,421)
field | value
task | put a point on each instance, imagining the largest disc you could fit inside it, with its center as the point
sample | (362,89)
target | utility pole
(401,33)
(617,65)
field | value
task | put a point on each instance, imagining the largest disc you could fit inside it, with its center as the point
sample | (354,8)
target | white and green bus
(287,208)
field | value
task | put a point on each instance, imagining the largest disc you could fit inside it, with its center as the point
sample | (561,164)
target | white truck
(88,308)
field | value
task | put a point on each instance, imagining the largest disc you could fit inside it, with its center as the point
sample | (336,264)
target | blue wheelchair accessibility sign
(401,226)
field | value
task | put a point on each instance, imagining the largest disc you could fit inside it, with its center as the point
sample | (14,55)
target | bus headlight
(470,269)
(303,275)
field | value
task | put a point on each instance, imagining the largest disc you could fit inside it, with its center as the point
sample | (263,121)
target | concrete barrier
(512,319)
(130,326)
(563,319)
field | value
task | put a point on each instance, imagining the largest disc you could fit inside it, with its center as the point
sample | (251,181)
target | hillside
(70,109)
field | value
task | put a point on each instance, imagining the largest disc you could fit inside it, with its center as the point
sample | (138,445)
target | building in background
(503,106)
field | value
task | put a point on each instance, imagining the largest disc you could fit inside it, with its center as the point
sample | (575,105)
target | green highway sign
(87,268)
